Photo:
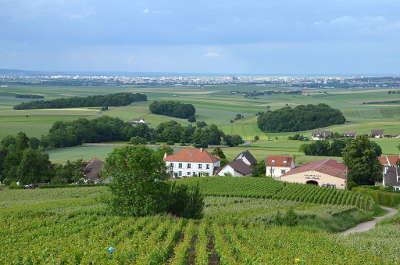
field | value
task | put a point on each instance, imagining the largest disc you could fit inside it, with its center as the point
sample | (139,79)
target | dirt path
(370,224)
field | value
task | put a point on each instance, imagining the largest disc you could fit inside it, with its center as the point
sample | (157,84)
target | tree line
(116,99)
(106,129)
(332,148)
(173,109)
(299,118)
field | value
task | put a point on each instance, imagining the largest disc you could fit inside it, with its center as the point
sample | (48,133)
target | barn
(325,173)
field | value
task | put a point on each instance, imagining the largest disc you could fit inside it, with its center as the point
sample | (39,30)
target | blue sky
(206,36)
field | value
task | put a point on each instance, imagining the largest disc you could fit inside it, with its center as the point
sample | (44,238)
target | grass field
(72,226)
(214,104)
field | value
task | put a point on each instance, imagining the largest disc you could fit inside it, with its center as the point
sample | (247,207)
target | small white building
(277,166)
(191,163)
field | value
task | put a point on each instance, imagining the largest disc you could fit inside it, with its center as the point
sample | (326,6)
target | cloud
(212,54)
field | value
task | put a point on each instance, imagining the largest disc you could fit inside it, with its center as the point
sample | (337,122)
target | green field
(73,226)
(214,104)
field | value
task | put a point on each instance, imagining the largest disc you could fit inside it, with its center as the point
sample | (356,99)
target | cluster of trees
(361,159)
(106,129)
(299,118)
(173,109)
(23,161)
(138,188)
(332,148)
(117,99)
(200,134)
(298,137)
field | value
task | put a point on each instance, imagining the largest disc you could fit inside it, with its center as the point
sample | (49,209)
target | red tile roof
(389,160)
(278,161)
(192,155)
(327,166)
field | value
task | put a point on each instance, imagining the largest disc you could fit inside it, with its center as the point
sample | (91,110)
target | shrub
(185,201)
(136,140)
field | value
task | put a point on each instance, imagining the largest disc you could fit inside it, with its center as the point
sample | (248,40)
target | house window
(208,166)
(200,166)
(188,173)
(180,173)
(283,171)
(171,165)
(272,171)
(194,174)
(189,165)
(180,165)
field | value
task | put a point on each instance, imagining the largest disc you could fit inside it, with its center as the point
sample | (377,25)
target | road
(370,224)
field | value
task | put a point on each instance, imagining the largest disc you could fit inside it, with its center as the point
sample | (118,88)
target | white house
(191,163)
(240,166)
(276,166)
(137,121)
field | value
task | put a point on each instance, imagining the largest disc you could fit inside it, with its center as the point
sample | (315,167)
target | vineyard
(269,188)
(94,239)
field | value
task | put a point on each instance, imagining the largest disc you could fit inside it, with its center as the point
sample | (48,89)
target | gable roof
(350,133)
(323,133)
(192,155)
(93,168)
(327,166)
(278,161)
(392,177)
(241,167)
(377,132)
(387,160)
(248,156)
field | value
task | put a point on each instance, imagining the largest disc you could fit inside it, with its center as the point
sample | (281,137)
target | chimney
(165,155)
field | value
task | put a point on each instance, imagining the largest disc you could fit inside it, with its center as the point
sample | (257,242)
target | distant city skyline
(302,37)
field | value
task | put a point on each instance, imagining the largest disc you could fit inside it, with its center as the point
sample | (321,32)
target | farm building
(92,170)
(377,133)
(350,134)
(277,166)
(320,135)
(326,173)
(240,166)
(391,170)
(191,162)
(136,121)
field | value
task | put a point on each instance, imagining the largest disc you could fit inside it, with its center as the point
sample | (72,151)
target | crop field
(269,188)
(71,226)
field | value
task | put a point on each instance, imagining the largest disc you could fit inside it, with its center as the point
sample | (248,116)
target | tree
(259,169)
(233,140)
(256,138)
(21,142)
(192,119)
(137,140)
(361,159)
(299,118)
(34,167)
(137,188)
(218,152)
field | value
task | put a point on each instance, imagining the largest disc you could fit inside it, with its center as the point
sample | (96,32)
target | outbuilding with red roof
(326,173)
(276,166)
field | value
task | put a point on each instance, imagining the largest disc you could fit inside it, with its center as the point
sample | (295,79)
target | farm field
(71,226)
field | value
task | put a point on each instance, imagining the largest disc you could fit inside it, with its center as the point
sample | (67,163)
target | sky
(289,37)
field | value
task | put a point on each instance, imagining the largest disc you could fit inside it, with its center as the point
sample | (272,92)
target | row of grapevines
(311,194)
